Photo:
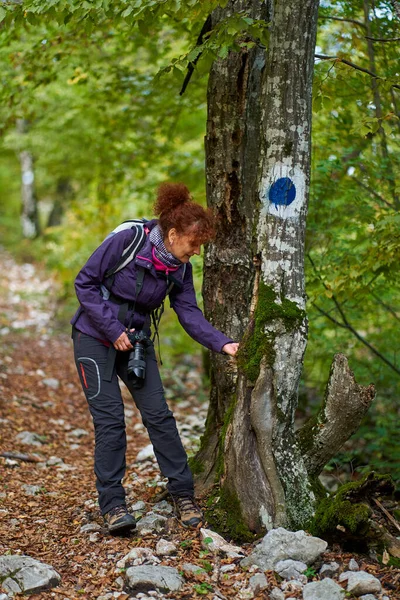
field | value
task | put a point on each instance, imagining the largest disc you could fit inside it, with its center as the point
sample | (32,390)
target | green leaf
(3,14)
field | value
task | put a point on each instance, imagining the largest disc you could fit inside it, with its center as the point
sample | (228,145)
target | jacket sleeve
(184,303)
(89,280)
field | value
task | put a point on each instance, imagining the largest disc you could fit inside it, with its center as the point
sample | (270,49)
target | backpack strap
(129,253)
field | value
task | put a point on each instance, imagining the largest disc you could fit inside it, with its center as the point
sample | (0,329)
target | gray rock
(290,569)
(280,544)
(78,433)
(90,527)
(165,548)
(151,522)
(215,543)
(227,568)
(327,589)
(360,582)
(163,508)
(23,574)
(353,565)
(138,556)
(4,597)
(329,569)
(51,383)
(139,506)
(145,578)
(292,586)
(53,461)
(30,438)
(190,568)
(31,490)
(276,594)
(258,583)
(145,453)
(368,597)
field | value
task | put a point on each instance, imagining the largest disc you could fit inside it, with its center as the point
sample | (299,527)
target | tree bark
(344,406)
(29,211)
(258,162)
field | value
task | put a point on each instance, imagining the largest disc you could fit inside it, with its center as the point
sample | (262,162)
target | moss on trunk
(257,342)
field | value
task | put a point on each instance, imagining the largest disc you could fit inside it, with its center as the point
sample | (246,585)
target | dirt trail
(40,394)
(41,399)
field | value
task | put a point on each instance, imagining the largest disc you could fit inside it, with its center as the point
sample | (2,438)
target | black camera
(137,357)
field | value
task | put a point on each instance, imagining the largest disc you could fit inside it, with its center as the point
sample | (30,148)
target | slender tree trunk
(29,212)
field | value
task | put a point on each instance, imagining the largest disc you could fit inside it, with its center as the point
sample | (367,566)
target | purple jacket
(98,317)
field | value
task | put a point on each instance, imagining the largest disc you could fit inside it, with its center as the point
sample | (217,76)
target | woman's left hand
(231,348)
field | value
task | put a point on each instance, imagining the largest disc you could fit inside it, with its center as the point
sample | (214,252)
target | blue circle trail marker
(282,192)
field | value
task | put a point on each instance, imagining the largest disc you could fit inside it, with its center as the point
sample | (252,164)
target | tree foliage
(99,81)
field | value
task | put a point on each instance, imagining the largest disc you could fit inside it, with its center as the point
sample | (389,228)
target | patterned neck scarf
(160,250)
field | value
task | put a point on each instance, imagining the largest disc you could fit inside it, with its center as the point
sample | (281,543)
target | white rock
(31,490)
(23,574)
(368,597)
(78,433)
(276,594)
(51,382)
(165,579)
(258,583)
(190,568)
(145,453)
(327,589)
(90,527)
(163,508)
(138,506)
(165,548)
(360,582)
(30,438)
(353,565)
(139,556)
(54,461)
(218,544)
(329,569)
(151,522)
(227,568)
(291,569)
(281,544)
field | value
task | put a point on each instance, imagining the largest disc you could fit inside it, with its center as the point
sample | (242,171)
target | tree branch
(386,306)
(353,66)
(382,39)
(371,191)
(359,23)
(346,325)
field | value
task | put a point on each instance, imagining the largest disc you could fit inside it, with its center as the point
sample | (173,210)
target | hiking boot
(187,511)
(118,520)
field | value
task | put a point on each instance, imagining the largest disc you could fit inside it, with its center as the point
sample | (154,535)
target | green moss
(257,343)
(195,465)
(339,510)
(224,515)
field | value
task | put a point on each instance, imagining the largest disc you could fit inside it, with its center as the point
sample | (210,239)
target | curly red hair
(176,209)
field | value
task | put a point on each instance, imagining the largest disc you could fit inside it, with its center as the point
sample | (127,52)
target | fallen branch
(23,457)
(387,513)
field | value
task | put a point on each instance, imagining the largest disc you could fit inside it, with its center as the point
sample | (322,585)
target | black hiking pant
(107,410)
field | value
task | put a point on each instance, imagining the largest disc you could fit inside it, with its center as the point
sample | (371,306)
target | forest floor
(40,394)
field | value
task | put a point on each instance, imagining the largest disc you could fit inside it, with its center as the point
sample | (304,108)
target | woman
(99,327)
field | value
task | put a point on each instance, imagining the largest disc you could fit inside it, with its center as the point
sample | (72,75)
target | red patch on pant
(84,376)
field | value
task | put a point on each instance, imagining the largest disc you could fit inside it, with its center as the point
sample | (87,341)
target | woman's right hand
(122,343)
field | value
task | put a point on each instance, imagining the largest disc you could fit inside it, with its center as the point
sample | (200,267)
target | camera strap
(123,309)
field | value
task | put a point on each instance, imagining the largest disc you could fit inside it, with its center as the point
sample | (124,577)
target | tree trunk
(29,212)
(258,166)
